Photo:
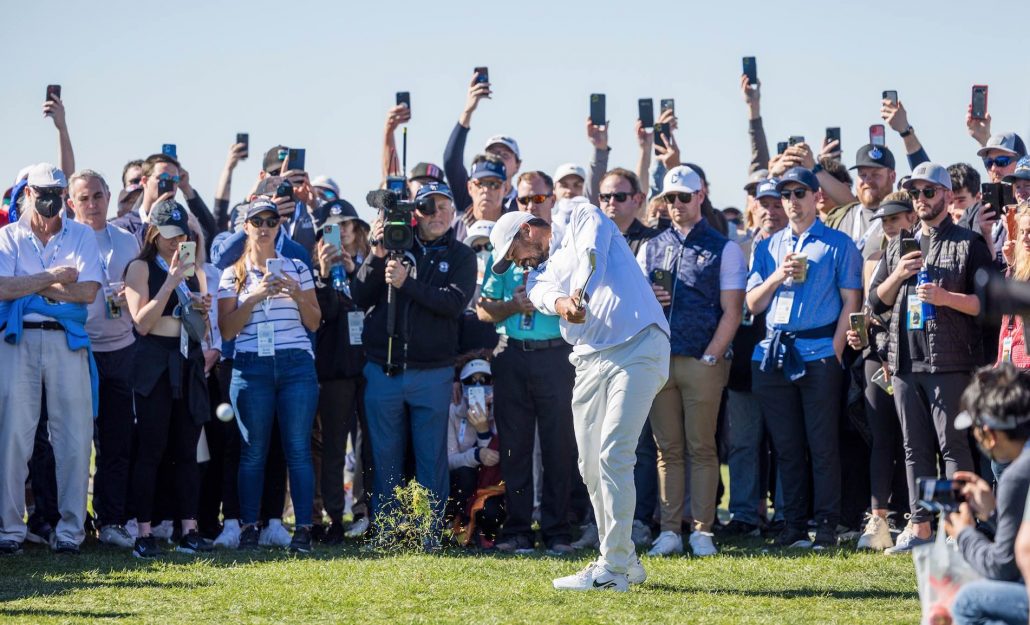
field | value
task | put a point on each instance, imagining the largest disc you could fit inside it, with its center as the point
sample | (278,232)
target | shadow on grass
(81,614)
(793,593)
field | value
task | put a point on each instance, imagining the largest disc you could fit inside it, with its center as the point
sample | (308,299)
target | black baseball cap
(894,207)
(274,159)
(427,170)
(337,212)
(870,155)
(169,217)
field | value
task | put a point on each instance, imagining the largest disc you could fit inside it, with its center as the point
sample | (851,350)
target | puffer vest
(695,261)
(954,341)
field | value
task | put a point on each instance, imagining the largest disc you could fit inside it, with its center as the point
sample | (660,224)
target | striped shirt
(281,310)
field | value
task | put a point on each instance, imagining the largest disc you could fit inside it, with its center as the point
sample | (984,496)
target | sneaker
(635,573)
(301,541)
(907,541)
(876,535)
(358,528)
(516,544)
(560,548)
(249,538)
(132,528)
(667,543)
(588,539)
(147,547)
(825,537)
(66,547)
(39,532)
(773,528)
(163,530)
(275,535)
(230,536)
(701,544)
(334,535)
(593,577)
(793,538)
(9,547)
(116,536)
(740,528)
(193,542)
(640,533)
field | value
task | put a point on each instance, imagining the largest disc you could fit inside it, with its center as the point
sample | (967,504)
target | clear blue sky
(321,75)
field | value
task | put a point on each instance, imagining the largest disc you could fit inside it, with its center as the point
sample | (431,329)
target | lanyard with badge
(785,299)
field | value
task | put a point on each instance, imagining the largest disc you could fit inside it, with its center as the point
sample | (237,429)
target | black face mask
(48,204)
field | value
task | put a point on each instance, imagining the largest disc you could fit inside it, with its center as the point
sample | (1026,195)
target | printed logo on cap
(335,210)
(676,175)
(175,214)
(875,154)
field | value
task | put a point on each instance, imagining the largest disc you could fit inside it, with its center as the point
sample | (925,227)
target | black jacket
(429,304)
(335,357)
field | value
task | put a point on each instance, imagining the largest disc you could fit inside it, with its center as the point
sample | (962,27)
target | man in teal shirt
(533,381)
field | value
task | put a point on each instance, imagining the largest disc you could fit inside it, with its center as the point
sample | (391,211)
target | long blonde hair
(1021,269)
(240,266)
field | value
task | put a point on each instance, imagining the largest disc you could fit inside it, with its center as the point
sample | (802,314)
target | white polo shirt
(23,254)
(622,302)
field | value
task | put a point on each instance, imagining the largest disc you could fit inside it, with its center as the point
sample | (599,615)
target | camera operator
(997,407)
(425,288)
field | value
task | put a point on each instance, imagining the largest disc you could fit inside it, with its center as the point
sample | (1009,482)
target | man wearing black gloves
(410,377)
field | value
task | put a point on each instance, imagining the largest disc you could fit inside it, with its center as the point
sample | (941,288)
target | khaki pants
(687,410)
(42,359)
(610,400)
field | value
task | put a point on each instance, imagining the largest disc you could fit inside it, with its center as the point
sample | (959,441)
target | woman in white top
(267,303)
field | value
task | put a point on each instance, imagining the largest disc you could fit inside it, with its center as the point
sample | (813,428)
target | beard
(934,211)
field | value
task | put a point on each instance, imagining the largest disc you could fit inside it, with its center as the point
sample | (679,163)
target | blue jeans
(416,403)
(987,602)
(746,485)
(263,387)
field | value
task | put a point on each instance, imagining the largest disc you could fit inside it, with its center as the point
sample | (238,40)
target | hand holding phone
(978,105)
(274,267)
(53,93)
(891,96)
(188,258)
(751,71)
(244,138)
(165,185)
(295,159)
(597,112)
(482,74)
(404,98)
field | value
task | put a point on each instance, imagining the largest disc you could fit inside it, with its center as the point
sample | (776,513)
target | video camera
(398,215)
(999,295)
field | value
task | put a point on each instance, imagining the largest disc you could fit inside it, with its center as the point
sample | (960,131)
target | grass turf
(743,584)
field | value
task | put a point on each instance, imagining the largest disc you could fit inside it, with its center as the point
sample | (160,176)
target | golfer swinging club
(620,340)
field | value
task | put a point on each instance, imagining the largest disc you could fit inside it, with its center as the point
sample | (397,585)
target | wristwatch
(907,132)
(709,360)
(818,168)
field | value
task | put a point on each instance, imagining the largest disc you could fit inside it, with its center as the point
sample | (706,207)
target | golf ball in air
(224,412)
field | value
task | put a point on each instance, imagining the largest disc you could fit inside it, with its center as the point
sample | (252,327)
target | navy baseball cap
(488,169)
(260,205)
(169,217)
(894,207)
(426,170)
(801,176)
(870,155)
(767,188)
(434,188)
(1022,171)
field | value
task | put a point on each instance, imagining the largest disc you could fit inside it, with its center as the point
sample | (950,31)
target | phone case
(274,266)
(597,113)
(645,108)
(331,235)
(188,254)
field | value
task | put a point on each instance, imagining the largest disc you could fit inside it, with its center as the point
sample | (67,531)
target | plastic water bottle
(339,278)
(929,310)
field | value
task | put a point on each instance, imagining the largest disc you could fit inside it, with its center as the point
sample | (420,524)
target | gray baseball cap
(930,172)
(1006,142)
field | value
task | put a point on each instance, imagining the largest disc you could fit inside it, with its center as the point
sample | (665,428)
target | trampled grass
(344,585)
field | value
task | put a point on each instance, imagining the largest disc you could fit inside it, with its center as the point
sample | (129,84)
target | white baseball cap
(506,141)
(681,179)
(326,183)
(479,230)
(473,367)
(46,175)
(569,169)
(503,234)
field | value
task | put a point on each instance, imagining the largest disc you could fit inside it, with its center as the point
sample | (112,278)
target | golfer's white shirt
(622,302)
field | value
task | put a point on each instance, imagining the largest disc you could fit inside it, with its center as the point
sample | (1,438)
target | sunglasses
(539,198)
(267,222)
(797,193)
(135,180)
(621,196)
(174,179)
(482,247)
(928,193)
(684,198)
(491,185)
(1000,161)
